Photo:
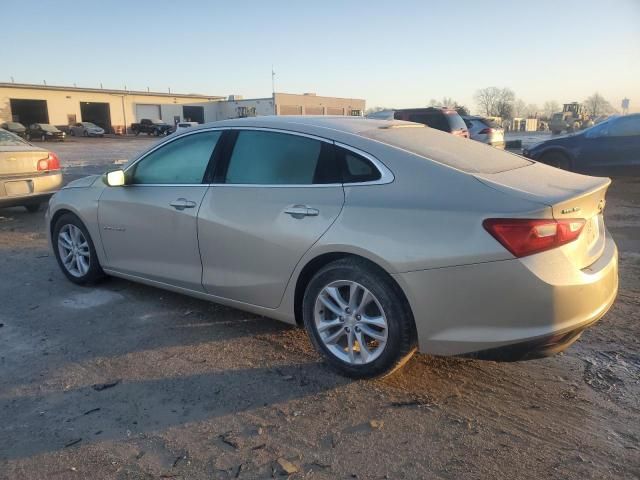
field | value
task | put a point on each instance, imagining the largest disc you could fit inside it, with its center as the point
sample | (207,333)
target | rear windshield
(463,154)
(10,140)
(455,121)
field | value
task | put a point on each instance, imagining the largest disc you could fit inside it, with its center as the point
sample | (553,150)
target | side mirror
(115,178)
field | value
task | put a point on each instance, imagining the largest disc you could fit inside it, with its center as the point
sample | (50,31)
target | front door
(149,226)
(275,201)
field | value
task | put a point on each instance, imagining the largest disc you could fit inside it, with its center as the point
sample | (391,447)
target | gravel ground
(124,381)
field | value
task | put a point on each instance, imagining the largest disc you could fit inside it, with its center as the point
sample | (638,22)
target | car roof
(346,124)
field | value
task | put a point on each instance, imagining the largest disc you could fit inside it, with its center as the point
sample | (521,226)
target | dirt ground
(124,381)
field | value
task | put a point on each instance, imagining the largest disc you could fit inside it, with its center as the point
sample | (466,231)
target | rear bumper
(512,309)
(39,189)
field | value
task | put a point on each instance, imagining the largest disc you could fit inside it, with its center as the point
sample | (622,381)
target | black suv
(440,118)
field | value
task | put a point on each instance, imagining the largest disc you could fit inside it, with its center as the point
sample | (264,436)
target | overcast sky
(392,53)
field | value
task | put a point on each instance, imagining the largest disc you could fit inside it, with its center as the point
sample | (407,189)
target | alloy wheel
(350,322)
(74,251)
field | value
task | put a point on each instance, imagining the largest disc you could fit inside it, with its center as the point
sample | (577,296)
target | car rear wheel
(358,319)
(75,251)
(556,159)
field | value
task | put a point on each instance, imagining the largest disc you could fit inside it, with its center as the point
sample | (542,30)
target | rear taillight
(52,162)
(524,237)
(485,131)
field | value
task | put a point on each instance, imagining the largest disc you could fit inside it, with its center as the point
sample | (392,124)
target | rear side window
(434,120)
(356,169)
(271,158)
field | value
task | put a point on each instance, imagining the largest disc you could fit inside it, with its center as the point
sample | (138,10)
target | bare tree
(532,110)
(496,102)
(597,105)
(549,108)
(519,108)
(375,109)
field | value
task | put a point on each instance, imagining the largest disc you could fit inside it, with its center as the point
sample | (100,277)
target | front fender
(82,202)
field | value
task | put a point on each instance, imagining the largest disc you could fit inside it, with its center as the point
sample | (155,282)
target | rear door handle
(300,211)
(182,203)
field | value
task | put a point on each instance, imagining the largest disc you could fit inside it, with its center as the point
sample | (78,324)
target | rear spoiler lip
(591,185)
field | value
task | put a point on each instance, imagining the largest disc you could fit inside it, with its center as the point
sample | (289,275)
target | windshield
(48,128)
(8,139)
(89,125)
(465,155)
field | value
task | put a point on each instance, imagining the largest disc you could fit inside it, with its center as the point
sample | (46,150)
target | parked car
(440,118)
(86,129)
(29,175)
(15,128)
(151,127)
(611,147)
(182,126)
(44,132)
(382,236)
(485,130)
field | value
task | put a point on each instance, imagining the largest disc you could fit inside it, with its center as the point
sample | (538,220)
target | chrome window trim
(386,176)
(286,132)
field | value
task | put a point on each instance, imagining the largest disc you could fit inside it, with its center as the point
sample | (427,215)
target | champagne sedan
(379,236)
(29,175)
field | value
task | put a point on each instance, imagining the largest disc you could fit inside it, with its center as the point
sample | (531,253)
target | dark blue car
(609,148)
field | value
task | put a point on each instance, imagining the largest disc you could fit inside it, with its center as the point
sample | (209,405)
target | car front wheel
(358,319)
(75,251)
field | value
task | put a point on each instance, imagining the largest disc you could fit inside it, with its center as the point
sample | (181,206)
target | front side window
(183,161)
(271,158)
(625,127)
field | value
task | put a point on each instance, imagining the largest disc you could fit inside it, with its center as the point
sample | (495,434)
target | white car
(86,129)
(485,130)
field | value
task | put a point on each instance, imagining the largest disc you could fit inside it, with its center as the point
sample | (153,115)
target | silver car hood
(84,182)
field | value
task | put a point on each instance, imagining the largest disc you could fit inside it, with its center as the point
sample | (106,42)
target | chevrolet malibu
(379,236)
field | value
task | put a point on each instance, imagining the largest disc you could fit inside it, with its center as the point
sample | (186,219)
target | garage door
(147,111)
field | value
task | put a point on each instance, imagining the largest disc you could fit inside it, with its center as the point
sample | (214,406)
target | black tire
(32,207)
(85,134)
(401,341)
(556,159)
(95,272)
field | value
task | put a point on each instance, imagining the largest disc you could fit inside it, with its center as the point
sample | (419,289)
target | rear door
(149,226)
(275,196)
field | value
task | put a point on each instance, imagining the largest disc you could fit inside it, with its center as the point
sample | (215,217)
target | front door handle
(182,203)
(301,211)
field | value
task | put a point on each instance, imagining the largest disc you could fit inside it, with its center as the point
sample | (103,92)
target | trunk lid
(20,160)
(569,195)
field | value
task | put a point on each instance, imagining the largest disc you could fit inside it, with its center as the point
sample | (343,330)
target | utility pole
(273,90)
